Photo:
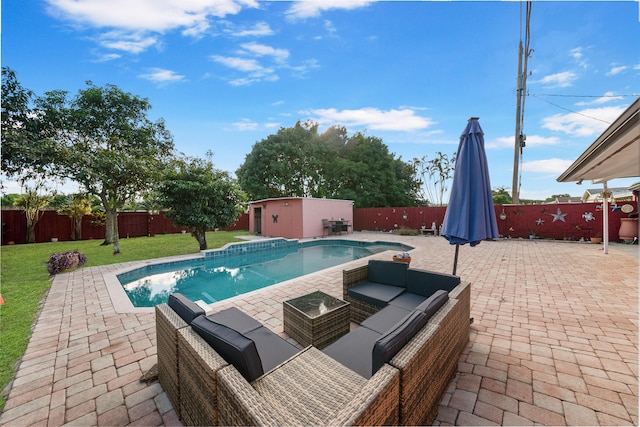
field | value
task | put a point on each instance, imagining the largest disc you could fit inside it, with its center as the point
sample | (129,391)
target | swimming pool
(242,268)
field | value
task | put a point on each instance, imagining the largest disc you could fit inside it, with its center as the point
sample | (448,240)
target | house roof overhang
(614,154)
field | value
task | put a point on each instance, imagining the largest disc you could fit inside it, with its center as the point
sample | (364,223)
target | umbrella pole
(455,260)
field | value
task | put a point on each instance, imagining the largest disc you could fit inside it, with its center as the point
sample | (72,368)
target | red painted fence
(130,224)
(570,221)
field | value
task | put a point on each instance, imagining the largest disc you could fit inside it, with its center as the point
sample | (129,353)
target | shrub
(405,231)
(64,260)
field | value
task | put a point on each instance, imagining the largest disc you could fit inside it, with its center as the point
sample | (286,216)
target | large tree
(25,154)
(286,164)
(200,197)
(105,141)
(299,162)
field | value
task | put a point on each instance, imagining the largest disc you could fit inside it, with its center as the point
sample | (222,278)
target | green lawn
(24,281)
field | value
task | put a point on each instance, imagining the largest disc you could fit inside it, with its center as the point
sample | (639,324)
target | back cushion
(387,272)
(234,347)
(186,309)
(425,283)
(389,344)
(433,303)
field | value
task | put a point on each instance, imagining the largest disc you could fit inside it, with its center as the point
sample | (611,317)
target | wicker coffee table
(316,319)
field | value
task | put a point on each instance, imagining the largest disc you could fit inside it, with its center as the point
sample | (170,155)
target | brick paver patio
(554,339)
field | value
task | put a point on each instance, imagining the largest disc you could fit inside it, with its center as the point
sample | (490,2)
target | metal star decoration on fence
(559,216)
(540,221)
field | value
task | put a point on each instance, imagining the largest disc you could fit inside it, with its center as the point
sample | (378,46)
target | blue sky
(225,74)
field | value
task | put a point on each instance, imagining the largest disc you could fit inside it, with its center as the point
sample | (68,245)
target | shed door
(257,220)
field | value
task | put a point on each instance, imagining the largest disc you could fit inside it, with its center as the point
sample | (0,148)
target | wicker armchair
(309,389)
(168,323)
(430,360)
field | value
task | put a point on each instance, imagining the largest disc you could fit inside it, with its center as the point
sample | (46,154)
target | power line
(571,111)
(588,96)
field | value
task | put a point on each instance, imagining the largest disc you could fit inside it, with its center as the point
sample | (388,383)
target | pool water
(213,279)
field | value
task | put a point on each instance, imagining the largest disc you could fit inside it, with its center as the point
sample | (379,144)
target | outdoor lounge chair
(327,227)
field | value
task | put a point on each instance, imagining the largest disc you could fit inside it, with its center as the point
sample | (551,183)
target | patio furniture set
(228,369)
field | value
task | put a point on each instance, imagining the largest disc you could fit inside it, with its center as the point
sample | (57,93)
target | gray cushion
(433,303)
(409,301)
(375,293)
(354,350)
(234,347)
(385,319)
(272,349)
(425,283)
(389,344)
(387,272)
(186,309)
(236,319)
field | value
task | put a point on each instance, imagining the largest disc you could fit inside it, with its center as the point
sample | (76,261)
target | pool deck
(554,339)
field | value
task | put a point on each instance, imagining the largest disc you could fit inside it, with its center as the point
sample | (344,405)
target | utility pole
(521,88)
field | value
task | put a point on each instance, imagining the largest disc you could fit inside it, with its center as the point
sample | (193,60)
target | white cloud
(616,70)
(132,42)
(312,9)
(146,15)
(132,22)
(264,50)
(607,97)
(159,75)
(245,125)
(531,141)
(548,166)
(258,30)
(240,64)
(588,122)
(107,57)
(564,79)
(578,55)
(372,118)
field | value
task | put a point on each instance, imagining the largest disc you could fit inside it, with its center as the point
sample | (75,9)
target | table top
(316,304)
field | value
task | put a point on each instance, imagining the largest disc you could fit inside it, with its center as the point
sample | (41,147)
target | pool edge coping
(123,305)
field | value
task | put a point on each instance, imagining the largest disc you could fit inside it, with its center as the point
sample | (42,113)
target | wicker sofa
(310,387)
(429,360)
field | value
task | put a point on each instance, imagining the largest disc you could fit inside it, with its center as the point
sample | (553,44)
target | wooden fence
(130,224)
(568,221)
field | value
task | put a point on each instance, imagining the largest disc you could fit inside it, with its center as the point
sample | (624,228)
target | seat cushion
(354,350)
(433,303)
(389,344)
(184,307)
(387,272)
(408,300)
(236,319)
(425,283)
(385,319)
(375,293)
(234,347)
(272,349)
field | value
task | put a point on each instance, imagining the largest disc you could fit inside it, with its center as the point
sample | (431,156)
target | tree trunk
(31,232)
(201,237)
(78,228)
(116,235)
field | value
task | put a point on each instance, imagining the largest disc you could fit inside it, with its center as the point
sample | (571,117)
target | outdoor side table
(316,319)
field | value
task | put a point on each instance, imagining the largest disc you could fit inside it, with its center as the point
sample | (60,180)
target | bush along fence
(55,227)
(565,221)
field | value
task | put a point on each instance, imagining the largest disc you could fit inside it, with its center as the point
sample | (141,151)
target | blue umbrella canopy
(470,217)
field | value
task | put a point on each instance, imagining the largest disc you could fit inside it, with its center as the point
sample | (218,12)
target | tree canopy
(103,139)
(200,197)
(300,162)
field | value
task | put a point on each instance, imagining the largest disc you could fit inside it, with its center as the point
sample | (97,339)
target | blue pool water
(242,268)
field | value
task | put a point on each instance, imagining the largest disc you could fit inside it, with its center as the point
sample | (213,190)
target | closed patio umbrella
(470,217)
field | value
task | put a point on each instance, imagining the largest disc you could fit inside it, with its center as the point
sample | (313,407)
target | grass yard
(24,281)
